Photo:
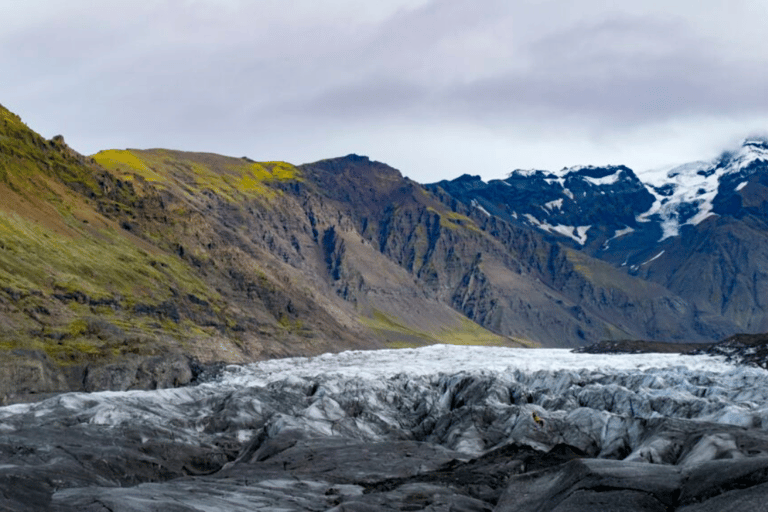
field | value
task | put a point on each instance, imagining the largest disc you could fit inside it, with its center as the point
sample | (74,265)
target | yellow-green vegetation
(464,332)
(86,347)
(388,326)
(126,163)
(35,258)
(26,156)
(291,326)
(453,220)
(233,179)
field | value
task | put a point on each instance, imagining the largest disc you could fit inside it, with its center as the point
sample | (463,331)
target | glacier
(435,428)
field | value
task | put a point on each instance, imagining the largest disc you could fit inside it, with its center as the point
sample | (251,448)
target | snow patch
(621,232)
(652,259)
(741,186)
(605,180)
(554,205)
(578,233)
(525,173)
(475,204)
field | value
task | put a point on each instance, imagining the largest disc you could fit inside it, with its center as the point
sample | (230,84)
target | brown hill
(116,270)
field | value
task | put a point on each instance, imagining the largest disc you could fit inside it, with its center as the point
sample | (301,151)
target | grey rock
(171,370)
(583,484)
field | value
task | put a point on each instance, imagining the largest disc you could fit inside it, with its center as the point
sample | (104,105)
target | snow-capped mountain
(700,229)
(587,203)
(569,203)
(690,193)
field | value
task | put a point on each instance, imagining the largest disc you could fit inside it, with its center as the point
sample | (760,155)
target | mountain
(136,268)
(699,230)
(124,269)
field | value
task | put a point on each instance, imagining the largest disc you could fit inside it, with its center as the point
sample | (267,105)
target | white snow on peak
(662,175)
(526,173)
(605,180)
(690,187)
(552,181)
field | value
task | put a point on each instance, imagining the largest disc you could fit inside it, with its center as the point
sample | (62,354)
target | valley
(131,268)
(190,331)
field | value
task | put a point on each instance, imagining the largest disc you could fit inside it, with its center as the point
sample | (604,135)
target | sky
(434,88)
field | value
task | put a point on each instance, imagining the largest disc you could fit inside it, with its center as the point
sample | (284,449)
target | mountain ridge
(698,229)
(111,260)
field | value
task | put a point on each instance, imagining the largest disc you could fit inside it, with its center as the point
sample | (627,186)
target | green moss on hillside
(35,258)
(232,179)
(464,332)
(452,220)
(127,164)
(25,156)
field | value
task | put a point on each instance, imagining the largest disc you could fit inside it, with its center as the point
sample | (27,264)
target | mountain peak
(595,171)
(356,158)
(528,173)
(759,143)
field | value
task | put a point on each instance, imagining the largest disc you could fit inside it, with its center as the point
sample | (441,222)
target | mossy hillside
(103,339)
(464,332)
(453,220)
(25,155)
(126,164)
(84,298)
(35,258)
(233,179)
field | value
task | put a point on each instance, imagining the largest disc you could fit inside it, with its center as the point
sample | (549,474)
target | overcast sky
(435,88)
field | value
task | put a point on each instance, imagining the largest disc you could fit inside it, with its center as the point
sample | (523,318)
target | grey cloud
(621,71)
(250,76)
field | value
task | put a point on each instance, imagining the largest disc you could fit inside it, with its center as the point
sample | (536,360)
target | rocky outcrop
(748,349)
(32,376)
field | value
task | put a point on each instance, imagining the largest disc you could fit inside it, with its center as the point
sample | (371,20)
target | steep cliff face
(503,276)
